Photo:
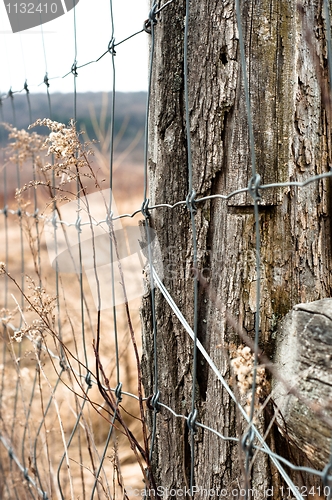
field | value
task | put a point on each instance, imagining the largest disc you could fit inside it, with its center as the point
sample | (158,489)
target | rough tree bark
(303,359)
(287,69)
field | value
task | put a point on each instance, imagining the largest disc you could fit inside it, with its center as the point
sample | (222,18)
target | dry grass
(36,409)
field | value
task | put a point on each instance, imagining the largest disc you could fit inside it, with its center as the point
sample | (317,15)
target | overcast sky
(22,54)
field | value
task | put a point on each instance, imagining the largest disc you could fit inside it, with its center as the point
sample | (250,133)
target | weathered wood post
(303,393)
(287,66)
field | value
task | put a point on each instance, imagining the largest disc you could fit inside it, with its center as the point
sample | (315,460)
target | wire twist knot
(253,187)
(88,380)
(151,21)
(190,202)
(46,80)
(153,402)
(118,392)
(63,365)
(145,208)
(74,69)
(78,224)
(191,422)
(26,88)
(109,218)
(247,443)
(111,47)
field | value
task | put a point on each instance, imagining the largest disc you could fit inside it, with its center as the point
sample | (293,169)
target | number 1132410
(306,492)
(31,8)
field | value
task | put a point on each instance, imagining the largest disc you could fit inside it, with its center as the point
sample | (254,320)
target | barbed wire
(110,215)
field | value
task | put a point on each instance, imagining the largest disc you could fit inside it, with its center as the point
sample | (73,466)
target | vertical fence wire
(192,210)
(150,28)
(113,305)
(76,430)
(46,408)
(248,438)
(6,249)
(111,49)
(17,357)
(38,270)
(326,10)
(5,331)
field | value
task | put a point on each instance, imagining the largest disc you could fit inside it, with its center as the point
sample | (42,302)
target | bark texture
(303,393)
(287,70)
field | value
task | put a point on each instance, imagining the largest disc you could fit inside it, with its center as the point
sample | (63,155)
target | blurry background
(28,55)
(50,49)
(30,422)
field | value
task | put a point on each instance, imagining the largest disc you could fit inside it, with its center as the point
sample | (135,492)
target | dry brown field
(48,415)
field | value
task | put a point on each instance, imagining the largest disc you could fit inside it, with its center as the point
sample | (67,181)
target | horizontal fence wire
(110,215)
(75,371)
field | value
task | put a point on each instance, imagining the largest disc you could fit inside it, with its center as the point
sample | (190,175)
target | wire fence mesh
(72,412)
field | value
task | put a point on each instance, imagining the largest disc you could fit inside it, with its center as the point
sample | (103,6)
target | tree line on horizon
(129,114)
